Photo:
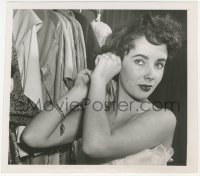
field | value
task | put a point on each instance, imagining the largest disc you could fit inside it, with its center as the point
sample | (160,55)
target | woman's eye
(160,65)
(139,62)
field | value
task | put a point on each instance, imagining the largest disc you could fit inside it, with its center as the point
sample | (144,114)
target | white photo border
(192,141)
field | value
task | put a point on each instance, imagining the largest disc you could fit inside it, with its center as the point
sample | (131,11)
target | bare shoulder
(160,125)
(164,117)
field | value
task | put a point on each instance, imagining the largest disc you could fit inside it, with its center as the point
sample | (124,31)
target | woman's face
(142,68)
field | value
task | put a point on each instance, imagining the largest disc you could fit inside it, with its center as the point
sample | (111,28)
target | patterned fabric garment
(14,157)
(26,25)
(22,110)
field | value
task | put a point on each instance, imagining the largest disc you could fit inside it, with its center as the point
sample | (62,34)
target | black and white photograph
(102,86)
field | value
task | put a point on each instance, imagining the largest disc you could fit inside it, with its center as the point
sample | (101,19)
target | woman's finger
(89,72)
(107,56)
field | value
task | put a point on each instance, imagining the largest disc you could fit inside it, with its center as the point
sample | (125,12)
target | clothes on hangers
(63,153)
(101,30)
(91,43)
(51,51)
(68,15)
(89,14)
(62,56)
(69,45)
(22,110)
(26,25)
(78,37)
(55,53)
(13,153)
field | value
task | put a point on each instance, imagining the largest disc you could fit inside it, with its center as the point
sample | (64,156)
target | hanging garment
(79,41)
(101,30)
(65,151)
(91,43)
(72,27)
(70,44)
(13,154)
(81,47)
(51,47)
(58,67)
(71,33)
(55,57)
(22,110)
(26,24)
(89,14)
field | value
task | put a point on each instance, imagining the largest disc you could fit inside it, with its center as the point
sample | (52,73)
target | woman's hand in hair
(107,66)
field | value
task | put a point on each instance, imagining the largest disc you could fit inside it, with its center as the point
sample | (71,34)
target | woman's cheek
(159,77)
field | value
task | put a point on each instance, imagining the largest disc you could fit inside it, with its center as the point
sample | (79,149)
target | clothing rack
(82,43)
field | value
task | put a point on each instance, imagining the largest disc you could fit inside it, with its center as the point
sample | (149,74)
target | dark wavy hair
(156,28)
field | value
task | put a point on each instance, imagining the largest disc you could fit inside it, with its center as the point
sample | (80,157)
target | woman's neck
(127,105)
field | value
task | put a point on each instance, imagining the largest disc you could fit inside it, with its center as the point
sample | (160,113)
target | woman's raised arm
(100,141)
(44,130)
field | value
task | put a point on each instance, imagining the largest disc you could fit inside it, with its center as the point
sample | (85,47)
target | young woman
(131,130)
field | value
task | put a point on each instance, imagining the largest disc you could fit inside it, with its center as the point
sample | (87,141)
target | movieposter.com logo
(107,106)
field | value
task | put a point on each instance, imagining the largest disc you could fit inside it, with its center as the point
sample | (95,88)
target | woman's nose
(149,74)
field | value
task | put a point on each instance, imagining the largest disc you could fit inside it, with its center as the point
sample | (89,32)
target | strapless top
(158,155)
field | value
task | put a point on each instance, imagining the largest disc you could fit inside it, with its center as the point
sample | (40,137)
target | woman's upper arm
(147,131)
(71,123)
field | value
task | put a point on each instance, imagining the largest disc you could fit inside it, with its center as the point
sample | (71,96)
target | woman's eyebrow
(141,55)
(162,59)
(146,57)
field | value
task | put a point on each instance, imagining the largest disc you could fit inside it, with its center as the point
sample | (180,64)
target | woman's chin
(139,98)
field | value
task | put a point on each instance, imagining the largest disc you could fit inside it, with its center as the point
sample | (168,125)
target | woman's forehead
(144,47)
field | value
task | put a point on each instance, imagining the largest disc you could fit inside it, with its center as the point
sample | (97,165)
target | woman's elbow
(89,149)
(94,149)
(29,140)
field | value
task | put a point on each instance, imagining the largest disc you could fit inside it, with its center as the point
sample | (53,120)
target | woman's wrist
(80,90)
(98,80)
(76,94)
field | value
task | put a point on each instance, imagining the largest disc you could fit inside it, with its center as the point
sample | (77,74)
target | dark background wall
(173,87)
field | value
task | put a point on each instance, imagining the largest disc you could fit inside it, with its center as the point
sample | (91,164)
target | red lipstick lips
(145,87)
